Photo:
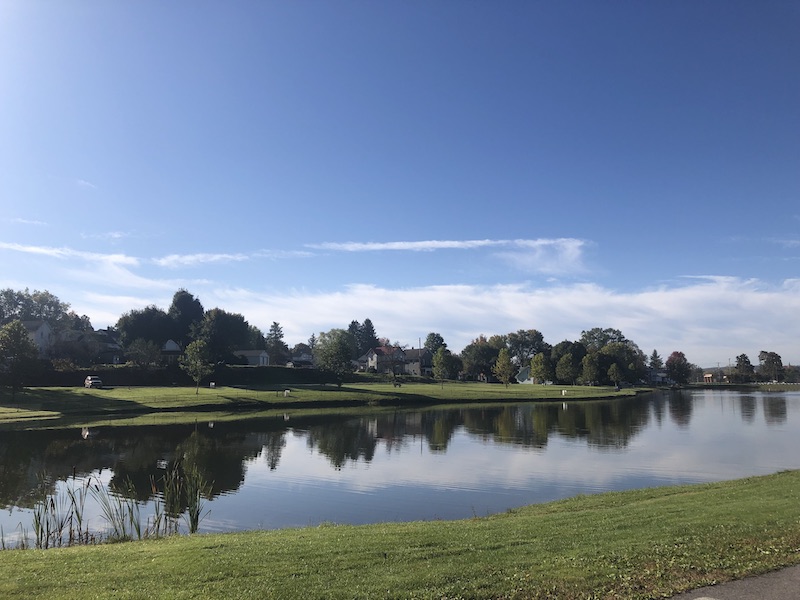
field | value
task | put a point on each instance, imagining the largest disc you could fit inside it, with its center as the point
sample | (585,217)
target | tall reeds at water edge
(59,518)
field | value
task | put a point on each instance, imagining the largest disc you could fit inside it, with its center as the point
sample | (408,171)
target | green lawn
(52,407)
(640,544)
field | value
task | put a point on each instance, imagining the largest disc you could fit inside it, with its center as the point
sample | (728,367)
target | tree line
(212,336)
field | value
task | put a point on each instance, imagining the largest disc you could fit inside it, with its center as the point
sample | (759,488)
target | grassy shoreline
(53,407)
(648,543)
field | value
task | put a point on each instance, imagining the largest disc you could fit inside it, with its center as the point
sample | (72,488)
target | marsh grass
(59,518)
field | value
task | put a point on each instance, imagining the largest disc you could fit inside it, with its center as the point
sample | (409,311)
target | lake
(402,465)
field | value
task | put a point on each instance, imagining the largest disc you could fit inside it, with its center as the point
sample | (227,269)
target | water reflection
(222,452)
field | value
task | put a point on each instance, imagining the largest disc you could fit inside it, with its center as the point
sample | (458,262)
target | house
(524,375)
(254,358)
(386,359)
(419,362)
(304,360)
(171,352)
(109,350)
(41,334)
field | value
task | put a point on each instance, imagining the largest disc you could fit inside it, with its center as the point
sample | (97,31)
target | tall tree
(523,344)
(276,348)
(186,313)
(333,352)
(442,364)
(597,338)
(38,305)
(18,356)
(590,368)
(478,357)
(433,342)
(567,370)
(743,373)
(678,368)
(224,333)
(503,368)
(150,323)
(196,361)
(541,368)
(655,361)
(771,367)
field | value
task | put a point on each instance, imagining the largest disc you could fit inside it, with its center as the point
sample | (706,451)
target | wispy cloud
(66,253)
(549,256)
(21,221)
(174,261)
(85,184)
(422,246)
(108,235)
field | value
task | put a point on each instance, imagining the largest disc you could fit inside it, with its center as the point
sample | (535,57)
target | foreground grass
(48,406)
(640,544)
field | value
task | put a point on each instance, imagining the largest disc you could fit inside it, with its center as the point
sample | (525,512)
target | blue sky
(459,167)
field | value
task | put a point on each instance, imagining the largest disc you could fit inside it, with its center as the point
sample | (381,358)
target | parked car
(93,381)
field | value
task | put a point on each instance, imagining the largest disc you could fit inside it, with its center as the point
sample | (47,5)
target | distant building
(41,334)
(254,358)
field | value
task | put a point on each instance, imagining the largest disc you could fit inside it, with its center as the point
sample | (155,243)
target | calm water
(414,465)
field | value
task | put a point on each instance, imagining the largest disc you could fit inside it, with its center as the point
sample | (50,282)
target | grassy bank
(639,544)
(50,406)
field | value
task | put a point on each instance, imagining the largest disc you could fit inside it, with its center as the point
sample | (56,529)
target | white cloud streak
(69,253)
(432,245)
(174,261)
(558,256)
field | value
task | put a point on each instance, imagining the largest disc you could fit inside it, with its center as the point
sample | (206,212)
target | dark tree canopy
(364,336)
(596,338)
(40,306)
(150,323)
(18,355)
(186,313)
(223,333)
(771,366)
(276,348)
(434,341)
(524,344)
(333,353)
(478,357)
(678,368)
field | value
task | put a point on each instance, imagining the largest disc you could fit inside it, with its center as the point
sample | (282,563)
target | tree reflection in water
(221,453)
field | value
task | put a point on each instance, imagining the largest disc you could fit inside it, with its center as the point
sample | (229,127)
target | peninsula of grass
(53,407)
(648,543)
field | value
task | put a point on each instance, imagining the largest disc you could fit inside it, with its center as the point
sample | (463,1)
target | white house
(255,358)
(41,335)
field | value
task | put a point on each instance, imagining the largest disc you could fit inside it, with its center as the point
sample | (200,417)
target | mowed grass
(46,406)
(640,544)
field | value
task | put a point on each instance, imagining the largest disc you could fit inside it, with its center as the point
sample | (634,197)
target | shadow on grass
(69,401)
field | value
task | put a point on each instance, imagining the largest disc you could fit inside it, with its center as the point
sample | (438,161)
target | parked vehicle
(93,381)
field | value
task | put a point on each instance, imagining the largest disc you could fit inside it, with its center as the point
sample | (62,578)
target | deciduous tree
(333,351)
(541,368)
(434,341)
(196,362)
(503,368)
(186,313)
(18,356)
(678,368)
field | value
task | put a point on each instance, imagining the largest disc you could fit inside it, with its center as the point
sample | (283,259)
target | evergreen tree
(276,348)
